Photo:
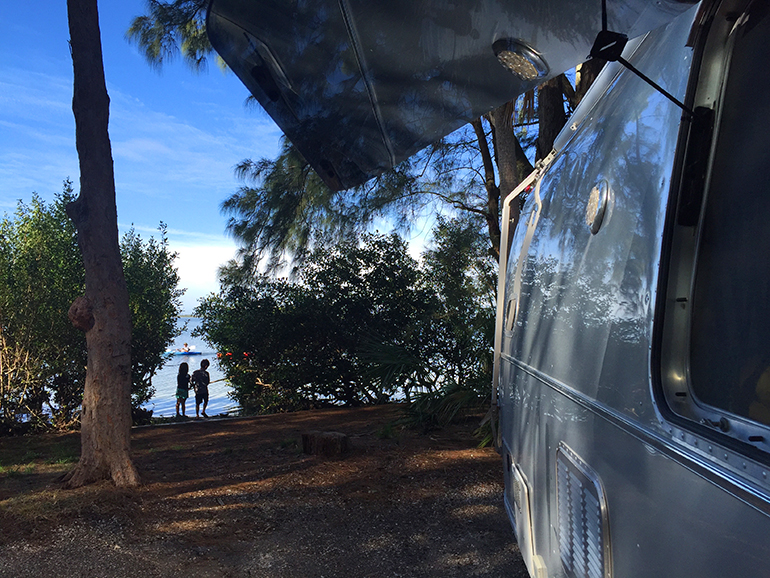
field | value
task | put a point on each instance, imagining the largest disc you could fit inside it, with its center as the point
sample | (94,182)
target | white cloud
(175,141)
(197,266)
(23,93)
(141,149)
(37,134)
(199,257)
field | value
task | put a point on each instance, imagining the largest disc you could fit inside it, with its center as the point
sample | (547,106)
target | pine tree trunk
(550,110)
(512,163)
(103,312)
(491,214)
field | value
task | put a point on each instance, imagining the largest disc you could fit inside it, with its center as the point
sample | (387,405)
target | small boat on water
(186,350)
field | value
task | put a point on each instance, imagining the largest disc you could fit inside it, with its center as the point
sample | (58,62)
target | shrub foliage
(42,356)
(364,323)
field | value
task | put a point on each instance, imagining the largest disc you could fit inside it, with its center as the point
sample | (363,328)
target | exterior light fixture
(520,59)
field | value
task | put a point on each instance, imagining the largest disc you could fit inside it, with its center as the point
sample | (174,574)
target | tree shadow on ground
(238,498)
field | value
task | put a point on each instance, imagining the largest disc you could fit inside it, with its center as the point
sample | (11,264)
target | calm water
(163,404)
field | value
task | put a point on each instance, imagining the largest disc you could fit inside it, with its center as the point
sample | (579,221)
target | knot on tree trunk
(81,314)
(77,211)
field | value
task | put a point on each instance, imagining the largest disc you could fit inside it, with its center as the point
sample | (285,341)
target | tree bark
(492,212)
(512,162)
(550,108)
(103,313)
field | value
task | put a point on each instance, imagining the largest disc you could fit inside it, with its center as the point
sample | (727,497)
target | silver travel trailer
(632,360)
(634,320)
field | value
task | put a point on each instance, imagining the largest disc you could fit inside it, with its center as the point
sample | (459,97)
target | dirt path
(238,498)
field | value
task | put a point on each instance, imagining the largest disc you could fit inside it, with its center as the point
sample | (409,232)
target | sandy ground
(239,498)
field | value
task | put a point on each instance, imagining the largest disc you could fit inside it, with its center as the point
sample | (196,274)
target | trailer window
(714,342)
(730,309)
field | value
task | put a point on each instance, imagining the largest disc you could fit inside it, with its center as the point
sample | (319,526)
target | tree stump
(329,444)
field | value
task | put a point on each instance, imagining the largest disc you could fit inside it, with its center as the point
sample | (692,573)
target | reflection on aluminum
(596,208)
(520,59)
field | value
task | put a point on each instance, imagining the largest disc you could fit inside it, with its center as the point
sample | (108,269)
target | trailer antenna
(604,15)
(609,46)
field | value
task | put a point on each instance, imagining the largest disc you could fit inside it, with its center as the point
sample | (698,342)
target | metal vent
(583,529)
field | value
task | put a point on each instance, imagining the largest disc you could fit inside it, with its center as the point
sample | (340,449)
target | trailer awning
(358,86)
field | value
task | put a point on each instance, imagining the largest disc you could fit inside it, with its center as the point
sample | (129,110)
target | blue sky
(176,135)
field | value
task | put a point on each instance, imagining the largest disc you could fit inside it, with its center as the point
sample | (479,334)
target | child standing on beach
(182,387)
(201,380)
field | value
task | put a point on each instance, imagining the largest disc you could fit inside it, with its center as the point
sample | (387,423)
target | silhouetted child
(182,387)
(200,381)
